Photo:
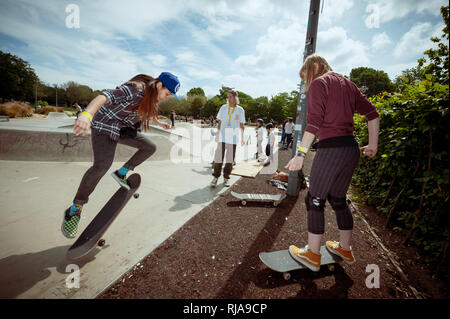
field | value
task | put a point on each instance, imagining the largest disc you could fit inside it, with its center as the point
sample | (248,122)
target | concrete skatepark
(42,163)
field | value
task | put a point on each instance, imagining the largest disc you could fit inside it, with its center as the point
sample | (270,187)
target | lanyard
(229,115)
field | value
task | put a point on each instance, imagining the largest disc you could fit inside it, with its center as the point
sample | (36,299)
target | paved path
(36,193)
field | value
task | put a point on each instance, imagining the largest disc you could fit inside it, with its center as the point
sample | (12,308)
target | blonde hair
(235,94)
(308,71)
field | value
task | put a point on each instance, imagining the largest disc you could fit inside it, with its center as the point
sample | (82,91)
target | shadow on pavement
(19,273)
(304,278)
(236,284)
(198,196)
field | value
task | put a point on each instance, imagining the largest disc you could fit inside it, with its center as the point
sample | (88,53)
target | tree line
(20,82)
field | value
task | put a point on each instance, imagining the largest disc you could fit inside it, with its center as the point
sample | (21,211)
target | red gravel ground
(215,255)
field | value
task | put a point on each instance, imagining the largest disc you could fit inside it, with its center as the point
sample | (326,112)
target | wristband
(89,115)
(303,149)
(301,154)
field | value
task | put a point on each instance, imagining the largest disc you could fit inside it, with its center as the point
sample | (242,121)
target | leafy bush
(41,103)
(408,179)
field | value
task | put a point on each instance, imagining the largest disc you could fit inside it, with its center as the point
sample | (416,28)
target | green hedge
(408,179)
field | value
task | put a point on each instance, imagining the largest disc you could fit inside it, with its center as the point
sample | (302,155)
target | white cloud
(222,27)
(417,40)
(394,70)
(253,45)
(157,59)
(383,11)
(341,52)
(273,65)
(333,11)
(274,51)
(380,41)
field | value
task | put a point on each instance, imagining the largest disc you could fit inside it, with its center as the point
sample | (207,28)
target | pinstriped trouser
(331,174)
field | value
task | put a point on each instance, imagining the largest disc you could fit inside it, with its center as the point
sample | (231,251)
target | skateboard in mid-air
(92,235)
(282,261)
(274,198)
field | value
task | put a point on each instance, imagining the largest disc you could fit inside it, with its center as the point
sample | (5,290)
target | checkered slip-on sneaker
(69,225)
(121,179)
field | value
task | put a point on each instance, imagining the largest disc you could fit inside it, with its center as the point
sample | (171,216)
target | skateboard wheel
(136,195)
(275,204)
(101,242)
(286,276)
(244,203)
(331,267)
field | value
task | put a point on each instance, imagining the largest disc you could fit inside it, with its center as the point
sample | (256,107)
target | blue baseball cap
(171,82)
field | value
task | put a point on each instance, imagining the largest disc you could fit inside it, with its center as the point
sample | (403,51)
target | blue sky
(255,46)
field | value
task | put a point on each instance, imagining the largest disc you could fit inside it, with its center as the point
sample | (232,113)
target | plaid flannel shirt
(115,114)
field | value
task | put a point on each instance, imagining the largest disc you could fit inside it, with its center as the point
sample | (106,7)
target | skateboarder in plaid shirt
(332,100)
(115,116)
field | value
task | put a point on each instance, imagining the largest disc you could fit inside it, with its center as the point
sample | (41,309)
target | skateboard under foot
(282,261)
(92,235)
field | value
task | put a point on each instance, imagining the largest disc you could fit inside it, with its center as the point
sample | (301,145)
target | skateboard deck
(93,233)
(249,168)
(274,198)
(282,261)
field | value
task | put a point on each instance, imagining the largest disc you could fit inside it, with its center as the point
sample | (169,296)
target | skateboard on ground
(92,235)
(274,198)
(282,261)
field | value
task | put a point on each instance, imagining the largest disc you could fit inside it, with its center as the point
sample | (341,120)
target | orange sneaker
(306,257)
(346,255)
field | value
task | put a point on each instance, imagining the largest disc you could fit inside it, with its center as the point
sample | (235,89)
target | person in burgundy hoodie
(332,100)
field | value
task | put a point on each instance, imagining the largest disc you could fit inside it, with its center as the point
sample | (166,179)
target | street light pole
(294,181)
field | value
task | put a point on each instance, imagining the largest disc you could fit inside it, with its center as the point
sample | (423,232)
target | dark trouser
(330,177)
(288,140)
(230,150)
(283,136)
(104,149)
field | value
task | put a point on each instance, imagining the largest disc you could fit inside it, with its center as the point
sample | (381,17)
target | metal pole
(294,181)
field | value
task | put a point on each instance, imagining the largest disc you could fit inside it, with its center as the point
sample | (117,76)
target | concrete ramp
(26,145)
(57,115)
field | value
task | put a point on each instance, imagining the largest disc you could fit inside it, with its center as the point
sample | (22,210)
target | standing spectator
(270,147)
(79,109)
(259,139)
(230,130)
(289,130)
(172,118)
